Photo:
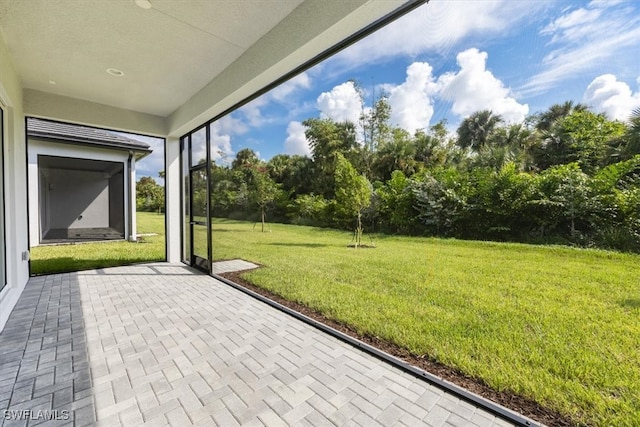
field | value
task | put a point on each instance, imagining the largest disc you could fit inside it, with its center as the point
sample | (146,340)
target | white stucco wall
(78,111)
(15,203)
(172,199)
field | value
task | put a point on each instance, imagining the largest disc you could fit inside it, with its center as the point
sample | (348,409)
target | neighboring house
(81,183)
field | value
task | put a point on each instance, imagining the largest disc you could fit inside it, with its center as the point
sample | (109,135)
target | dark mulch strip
(517,403)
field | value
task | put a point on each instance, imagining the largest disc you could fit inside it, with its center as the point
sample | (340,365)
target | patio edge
(475,399)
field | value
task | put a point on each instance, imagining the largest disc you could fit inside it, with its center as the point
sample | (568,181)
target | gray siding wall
(79,199)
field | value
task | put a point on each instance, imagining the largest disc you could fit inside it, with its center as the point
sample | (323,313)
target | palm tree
(517,140)
(245,158)
(633,134)
(551,144)
(550,117)
(475,130)
(397,154)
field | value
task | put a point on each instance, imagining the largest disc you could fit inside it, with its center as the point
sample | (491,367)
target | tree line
(150,194)
(566,175)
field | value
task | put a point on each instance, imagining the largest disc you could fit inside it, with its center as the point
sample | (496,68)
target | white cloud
(584,40)
(470,89)
(475,88)
(231,125)
(614,98)
(220,143)
(440,26)
(342,103)
(253,113)
(221,147)
(199,146)
(411,102)
(571,26)
(296,142)
(285,94)
(607,2)
(154,162)
(285,90)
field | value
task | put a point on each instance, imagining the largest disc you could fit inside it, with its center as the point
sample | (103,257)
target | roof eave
(85,142)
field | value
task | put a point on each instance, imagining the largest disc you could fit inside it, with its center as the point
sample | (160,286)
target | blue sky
(448,59)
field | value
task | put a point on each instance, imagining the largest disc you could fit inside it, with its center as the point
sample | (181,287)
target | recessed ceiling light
(145,4)
(115,72)
(52,82)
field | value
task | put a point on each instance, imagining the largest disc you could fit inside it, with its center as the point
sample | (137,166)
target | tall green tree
(375,124)
(476,130)
(498,201)
(432,147)
(328,138)
(632,137)
(224,188)
(547,119)
(376,130)
(441,200)
(566,202)
(396,201)
(396,155)
(245,158)
(149,195)
(292,172)
(587,138)
(550,147)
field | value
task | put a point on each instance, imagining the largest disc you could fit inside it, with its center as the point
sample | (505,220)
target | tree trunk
(573,227)
(359,230)
(262,217)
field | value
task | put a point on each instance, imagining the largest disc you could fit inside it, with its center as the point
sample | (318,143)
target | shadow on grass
(633,303)
(215,229)
(68,264)
(300,245)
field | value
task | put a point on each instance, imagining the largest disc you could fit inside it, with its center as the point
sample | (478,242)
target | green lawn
(62,258)
(555,324)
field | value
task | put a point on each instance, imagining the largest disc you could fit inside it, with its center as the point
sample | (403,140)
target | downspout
(130,230)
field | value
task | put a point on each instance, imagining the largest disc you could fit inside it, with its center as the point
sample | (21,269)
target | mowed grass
(555,324)
(63,258)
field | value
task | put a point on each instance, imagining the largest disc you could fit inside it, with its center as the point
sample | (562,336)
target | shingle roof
(83,135)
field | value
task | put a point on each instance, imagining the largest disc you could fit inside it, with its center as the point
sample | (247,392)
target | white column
(132,200)
(34,197)
(172,197)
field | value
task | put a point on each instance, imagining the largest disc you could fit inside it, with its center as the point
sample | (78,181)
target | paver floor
(160,344)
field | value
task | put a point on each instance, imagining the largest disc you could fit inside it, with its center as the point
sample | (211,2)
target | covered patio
(164,344)
(158,68)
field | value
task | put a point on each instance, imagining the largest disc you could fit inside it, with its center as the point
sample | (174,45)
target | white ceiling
(73,42)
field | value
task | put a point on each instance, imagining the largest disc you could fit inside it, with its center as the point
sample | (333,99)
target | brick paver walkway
(220,267)
(160,344)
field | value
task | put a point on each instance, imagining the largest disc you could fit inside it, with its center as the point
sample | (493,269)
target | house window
(3,246)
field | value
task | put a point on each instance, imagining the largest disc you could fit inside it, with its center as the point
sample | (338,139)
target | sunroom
(166,69)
